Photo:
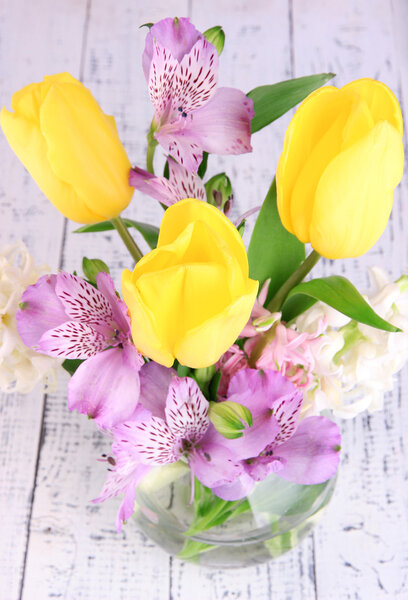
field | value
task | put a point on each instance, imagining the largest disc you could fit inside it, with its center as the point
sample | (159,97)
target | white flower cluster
(357,363)
(20,367)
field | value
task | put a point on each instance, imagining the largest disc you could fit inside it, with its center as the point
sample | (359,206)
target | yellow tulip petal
(25,139)
(354,195)
(144,333)
(352,122)
(83,149)
(380,100)
(182,213)
(205,344)
(307,127)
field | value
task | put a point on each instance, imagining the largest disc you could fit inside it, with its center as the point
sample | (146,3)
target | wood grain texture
(54,543)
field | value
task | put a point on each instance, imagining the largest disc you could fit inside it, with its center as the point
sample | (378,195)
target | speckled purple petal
(195,79)
(42,310)
(83,302)
(186,409)
(179,36)
(119,309)
(72,340)
(223,125)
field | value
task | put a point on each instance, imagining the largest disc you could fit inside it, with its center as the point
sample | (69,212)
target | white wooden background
(53,542)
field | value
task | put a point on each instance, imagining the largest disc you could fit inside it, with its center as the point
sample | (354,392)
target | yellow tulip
(190,297)
(342,158)
(70,147)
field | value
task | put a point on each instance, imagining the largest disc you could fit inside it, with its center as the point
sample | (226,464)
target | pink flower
(191,113)
(291,353)
(181,184)
(64,316)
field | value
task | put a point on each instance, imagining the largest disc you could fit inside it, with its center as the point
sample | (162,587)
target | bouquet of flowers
(216,373)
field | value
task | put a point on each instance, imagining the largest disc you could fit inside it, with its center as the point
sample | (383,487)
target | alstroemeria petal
(72,340)
(124,478)
(83,302)
(312,453)
(154,386)
(40,310)
(223,125)
(119,309)
(236,490)
(286,412)
(186,409)
(182,143)
(162,69)
(185,183)
(195,78)
(214,465)
(106,386)
(154,441)
(158,188)
(178,35)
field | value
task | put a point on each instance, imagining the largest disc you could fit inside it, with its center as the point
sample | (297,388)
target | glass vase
(212,532)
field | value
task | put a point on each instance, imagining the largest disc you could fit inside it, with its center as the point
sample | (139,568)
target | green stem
(279,298)
(151,147)
(129,242)
(275,304)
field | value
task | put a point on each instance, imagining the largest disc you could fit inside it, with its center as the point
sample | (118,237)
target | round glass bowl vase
(212,532)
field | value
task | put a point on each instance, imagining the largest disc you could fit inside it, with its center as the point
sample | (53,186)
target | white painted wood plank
(256,52)
(361,552)
(25,213)
(74,551)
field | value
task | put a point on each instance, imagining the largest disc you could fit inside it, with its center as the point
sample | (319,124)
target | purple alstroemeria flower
(64,316)
(191,114)
(181,184)
(306,453)
(170,423)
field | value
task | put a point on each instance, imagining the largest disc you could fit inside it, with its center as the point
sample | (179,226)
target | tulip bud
(229,418)
(190,297)
(342,158)
(219,192)
(70,148)
(216,37)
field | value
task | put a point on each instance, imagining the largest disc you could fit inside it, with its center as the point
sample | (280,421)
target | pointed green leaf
(273,101)
(340,294)
(149,232)
(273,252)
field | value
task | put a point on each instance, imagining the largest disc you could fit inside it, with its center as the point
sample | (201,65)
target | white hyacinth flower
(358,366)
(20,367)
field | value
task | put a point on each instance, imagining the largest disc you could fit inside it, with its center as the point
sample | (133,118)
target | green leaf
(203,165)
(340,294)
(149,232)
(273,101)
(71,365)
(273,252)
(92,266)
(216,37)
(295,306)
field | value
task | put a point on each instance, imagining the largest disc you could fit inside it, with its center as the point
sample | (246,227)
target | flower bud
(342,158)
(229,418)
(216,37)
(219,192)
